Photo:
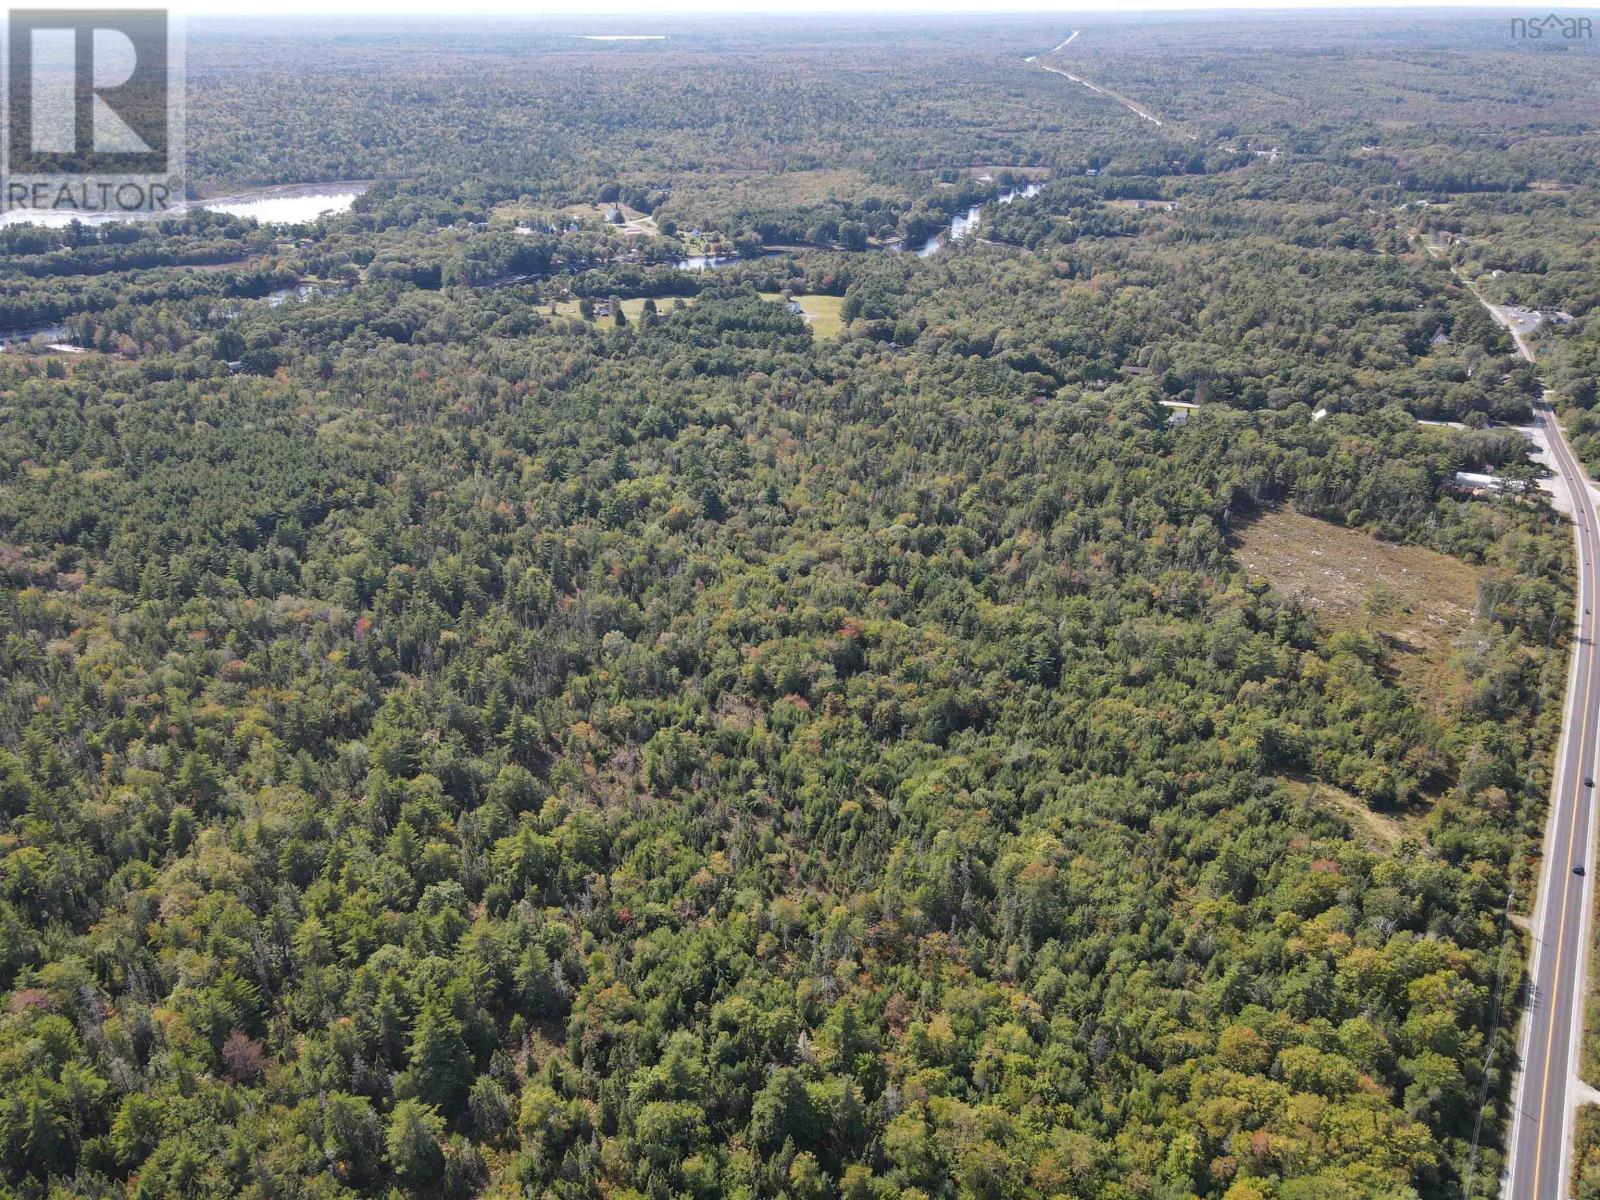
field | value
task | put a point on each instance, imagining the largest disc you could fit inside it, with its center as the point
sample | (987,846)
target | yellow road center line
(1585,510)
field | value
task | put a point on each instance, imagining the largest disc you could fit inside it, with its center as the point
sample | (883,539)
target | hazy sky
(609,10)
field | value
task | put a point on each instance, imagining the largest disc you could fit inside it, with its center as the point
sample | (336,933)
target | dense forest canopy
(489,710)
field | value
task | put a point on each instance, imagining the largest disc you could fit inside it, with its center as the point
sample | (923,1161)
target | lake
(280,205)
(287,206)
(704,262)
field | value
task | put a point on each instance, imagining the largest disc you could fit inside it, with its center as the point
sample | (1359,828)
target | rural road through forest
(1539,1166)
(1539,1161)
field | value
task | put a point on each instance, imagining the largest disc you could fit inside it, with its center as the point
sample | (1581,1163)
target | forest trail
(1056,49)
(1132,106)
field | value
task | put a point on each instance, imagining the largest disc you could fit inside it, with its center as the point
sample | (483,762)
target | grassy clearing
(597,212)
(1418,602)
(513,212)
(1380,831)
(823,313)
(632,308)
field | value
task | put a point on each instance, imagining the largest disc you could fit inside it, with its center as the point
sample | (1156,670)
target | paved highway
(1539,1162)
(1539,1165)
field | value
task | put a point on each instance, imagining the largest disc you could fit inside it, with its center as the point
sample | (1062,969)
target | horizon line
(640,11)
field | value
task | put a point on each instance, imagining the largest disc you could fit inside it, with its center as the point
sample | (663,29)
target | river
(293,205)
(961,225)
(52,333)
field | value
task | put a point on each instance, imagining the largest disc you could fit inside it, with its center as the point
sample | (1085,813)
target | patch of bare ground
(1415,601)
(1380,831)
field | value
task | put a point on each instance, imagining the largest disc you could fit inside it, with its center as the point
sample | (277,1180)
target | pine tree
(440,1069)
